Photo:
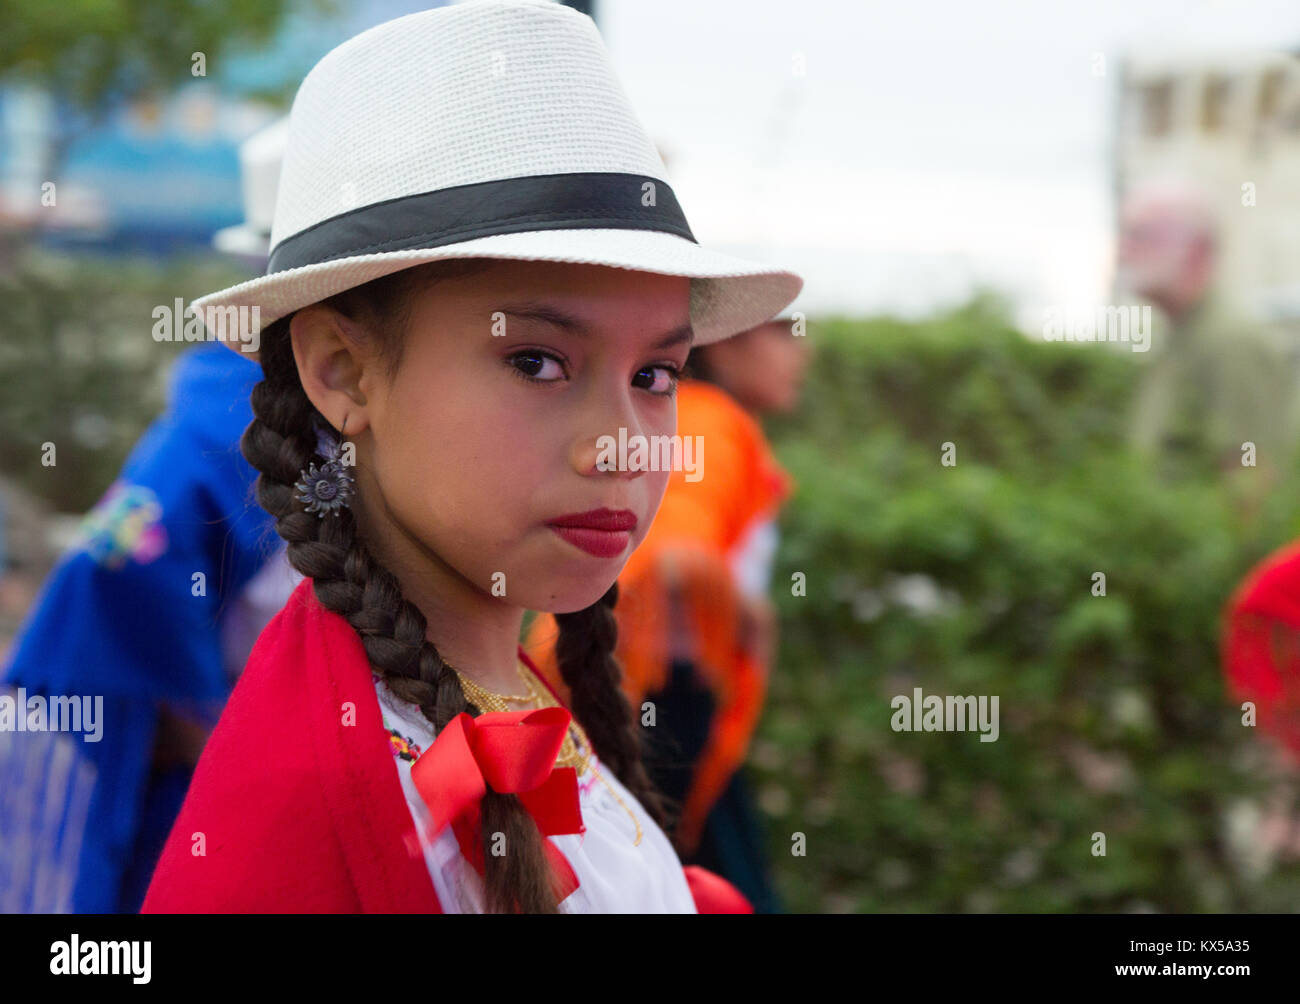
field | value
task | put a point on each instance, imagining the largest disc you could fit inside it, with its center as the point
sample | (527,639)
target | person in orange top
(696,630)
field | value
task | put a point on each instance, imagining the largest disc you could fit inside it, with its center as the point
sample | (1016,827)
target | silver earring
(329,487)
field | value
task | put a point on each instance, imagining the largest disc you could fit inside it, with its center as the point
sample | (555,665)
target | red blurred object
(713,893)
(1261,644)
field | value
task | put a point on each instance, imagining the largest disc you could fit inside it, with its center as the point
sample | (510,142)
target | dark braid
(584,652)
(348,580)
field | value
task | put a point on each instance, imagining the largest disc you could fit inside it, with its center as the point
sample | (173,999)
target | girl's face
(490,429)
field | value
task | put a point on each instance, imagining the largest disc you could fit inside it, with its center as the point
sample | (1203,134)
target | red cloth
(1261,644)
(295,804)
(713,893)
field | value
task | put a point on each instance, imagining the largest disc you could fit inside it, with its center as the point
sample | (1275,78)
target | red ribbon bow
(514,752)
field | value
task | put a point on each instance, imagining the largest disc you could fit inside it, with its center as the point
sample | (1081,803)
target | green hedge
(79,364)
(977,579)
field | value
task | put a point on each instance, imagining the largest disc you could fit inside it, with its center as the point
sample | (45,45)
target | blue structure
(164,180)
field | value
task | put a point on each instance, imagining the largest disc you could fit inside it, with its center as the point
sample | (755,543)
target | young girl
(478,272)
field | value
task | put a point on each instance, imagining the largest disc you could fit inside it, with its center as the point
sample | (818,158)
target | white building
(1231,125)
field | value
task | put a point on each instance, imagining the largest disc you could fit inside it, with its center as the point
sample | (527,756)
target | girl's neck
(475,632)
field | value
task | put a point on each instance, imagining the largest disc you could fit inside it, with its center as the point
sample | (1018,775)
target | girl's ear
(332,366)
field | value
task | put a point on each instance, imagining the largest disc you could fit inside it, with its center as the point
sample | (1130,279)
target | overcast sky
(927,146)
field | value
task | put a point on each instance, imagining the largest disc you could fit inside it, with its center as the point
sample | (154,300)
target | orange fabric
(701,523)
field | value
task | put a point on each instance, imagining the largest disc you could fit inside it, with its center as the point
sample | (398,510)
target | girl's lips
(599,519)
(601,543)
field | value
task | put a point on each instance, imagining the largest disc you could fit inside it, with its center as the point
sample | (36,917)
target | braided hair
(348,579)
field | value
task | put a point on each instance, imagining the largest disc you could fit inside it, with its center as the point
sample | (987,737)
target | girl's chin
(572,600)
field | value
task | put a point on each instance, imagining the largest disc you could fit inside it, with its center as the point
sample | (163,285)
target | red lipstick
(604,533)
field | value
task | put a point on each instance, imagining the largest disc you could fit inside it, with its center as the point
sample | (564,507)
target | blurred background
(948,178)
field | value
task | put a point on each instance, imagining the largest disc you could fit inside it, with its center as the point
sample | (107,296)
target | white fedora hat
(492,128)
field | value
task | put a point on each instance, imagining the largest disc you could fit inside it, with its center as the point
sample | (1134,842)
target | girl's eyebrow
(576,325)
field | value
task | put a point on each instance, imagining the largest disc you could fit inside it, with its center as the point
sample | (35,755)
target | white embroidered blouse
(614,874)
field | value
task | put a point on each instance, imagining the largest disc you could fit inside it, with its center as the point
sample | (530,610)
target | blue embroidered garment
(133,613)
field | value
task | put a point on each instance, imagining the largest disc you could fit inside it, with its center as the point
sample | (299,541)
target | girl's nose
(611,422)
(606,454)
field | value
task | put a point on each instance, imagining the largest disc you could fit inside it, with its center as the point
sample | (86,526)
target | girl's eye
(529,365)
(532,366)
(666,384)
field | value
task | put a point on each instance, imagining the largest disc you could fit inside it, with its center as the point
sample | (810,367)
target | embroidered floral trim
(402,747)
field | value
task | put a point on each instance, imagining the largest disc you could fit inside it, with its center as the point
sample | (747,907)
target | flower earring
(329,487)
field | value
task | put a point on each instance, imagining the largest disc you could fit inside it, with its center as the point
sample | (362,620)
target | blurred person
(1214,379)
(696,629)
(154,608)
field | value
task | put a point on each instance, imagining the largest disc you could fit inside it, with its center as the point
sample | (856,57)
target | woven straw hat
(492,128)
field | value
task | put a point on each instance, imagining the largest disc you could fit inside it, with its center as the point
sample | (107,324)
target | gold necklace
(486,700)
(570,755)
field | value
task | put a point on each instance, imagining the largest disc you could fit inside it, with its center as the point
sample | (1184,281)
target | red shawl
(295,805)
